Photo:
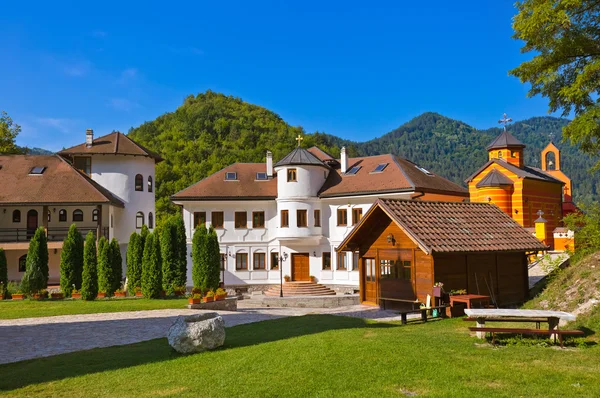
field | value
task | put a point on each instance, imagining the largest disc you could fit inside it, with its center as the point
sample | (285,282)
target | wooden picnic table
(504,314)
(469,299)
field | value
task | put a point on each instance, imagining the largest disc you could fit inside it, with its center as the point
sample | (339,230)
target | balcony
(10,235)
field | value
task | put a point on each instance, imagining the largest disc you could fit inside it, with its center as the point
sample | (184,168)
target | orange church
(531,196)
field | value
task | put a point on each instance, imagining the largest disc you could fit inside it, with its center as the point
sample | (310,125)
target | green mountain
(210,131)
(36,151)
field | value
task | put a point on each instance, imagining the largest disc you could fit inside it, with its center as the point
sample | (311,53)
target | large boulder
(197,333)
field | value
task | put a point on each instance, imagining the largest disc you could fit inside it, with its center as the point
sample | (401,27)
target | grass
(32,308)
(316,356)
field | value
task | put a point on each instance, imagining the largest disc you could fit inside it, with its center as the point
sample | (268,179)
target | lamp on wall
(516,211)
(314,254)
(230,255)
(489,199)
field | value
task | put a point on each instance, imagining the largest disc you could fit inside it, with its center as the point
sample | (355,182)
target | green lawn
(32,308)
(316,356)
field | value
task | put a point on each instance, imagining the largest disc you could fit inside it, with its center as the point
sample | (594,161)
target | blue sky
(353,69)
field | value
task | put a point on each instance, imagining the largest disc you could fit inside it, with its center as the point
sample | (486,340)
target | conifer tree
(135,252)
(89,284)
(199,257)
(116,265)
(78,269)
(181,250)
(3,274)
(104,266)
(36,271)
(169,255)
(71,257)
(151,267)
(213,276)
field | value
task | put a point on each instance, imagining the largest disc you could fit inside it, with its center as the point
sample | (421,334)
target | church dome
(300,157)
(505,140)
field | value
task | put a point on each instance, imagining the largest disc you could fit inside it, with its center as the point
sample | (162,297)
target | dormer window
(37,170)
(380,167)
(353,170)
(261,176)
(231,176)
(425,171)
(291,175)
(83,164)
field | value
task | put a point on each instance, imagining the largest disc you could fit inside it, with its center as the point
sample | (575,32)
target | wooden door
(369,281)
(300,268)
(32,223)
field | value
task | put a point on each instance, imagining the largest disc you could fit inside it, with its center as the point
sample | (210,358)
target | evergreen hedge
(36,272)
(3,274)
(89,284)
(181,244)
(104,266)
(199,257)
(151,267)
(213,274)
(71,261)
(169,256)
(135,252)
(116,265)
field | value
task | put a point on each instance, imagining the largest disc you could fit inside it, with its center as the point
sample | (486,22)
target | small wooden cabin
(405,246)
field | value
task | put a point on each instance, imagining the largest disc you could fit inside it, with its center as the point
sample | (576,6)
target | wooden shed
(405,246)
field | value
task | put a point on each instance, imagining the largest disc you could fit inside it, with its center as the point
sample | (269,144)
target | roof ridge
(395,158)
(116,141)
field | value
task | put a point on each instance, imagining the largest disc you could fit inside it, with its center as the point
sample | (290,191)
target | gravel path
(28,338)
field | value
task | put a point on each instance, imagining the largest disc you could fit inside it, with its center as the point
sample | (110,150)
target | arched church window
(17,216)
(149,183)
(150,220)
(95,215)
(139,182)
(550,161)
(499,154)
(62,215)
(23,263)
(139,220)
(77,215)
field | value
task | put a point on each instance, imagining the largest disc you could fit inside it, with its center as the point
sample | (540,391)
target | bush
(587,230)
(3,275)
(116,265)
(151,268)
(199,257)
(135,252)
(71,261)
(36,272)
(170,256)
(213,271)
(104,266)
(181,244)
(89,284)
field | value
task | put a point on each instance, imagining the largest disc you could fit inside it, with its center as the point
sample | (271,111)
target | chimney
(269,164)
(89,138)
(344,160)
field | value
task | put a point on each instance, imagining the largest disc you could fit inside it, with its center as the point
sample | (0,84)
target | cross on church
(299,139)
(551,135)
(540,213)
(505,120)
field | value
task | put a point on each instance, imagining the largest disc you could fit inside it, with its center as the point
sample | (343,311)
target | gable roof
(494,179)
(246,187)
(300,156)
(115,143)
(525,172)
(505,140)
(59,183)
(454,226)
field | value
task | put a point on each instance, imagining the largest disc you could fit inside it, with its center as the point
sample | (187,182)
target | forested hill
(210,131)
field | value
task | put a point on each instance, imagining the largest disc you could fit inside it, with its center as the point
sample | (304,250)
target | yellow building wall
(513,156)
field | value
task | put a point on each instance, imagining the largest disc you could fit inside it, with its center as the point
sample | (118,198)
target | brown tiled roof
(59,183)
(525,172)
(115,143)
(458,226)
(398,176)
(505,140)
(300,156)
(494,179)
(215,187)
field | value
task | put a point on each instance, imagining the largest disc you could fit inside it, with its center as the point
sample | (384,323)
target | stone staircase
(291,289)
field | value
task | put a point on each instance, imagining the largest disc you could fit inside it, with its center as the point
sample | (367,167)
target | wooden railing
(55,234)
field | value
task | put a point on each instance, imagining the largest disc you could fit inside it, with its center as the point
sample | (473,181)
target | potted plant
(457,292)
(138,291)
(76,294)
(179,291)
(18,295)
(101,294)
(220,294)
(120,293)
(210,296)
(313,278)
(42,294)
(287,278)
(57,295)
(437,289)
(195,299)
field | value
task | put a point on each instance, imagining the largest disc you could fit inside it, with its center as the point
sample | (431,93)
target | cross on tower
(505,120)
(299,139)
(551,135)
(540,213)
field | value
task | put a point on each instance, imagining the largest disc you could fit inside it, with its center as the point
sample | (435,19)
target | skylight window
(261,176)
(231,176)
(353,170)
(37,170)
(429,173)
(380,167)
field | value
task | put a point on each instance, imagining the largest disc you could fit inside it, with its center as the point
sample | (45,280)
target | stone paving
(28,338)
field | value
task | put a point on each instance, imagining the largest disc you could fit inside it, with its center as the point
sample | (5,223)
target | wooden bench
(384,299)
(537,321)
(548,332)
(423,311)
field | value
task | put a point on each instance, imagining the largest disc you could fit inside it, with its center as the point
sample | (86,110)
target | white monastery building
(294,214)
(105,185)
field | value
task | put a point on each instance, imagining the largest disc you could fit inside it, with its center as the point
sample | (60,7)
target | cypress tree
(3,274)
(135,252)
(199,257)
(213,276)
(169,255)
(78,269)
(89,284)
(181,250)
(104,266)
(151,268)
(116,265)
(69,262)
(36,272)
